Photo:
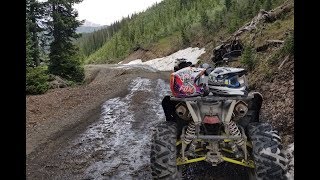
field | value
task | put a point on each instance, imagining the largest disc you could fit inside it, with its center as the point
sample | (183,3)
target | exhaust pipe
(182,111)
(240,109)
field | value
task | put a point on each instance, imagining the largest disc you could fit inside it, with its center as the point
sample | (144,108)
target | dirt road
(109,141)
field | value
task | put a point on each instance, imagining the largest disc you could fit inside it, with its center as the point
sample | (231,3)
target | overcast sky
(104,12)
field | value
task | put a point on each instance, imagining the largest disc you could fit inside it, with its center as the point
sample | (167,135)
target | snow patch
(137,61)
(167,63)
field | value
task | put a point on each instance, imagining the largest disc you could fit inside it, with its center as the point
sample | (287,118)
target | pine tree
(204,20)
(247,57)
(64,56)
(228,4)
(33,14)
(256,7)
(29,60)
(267,5)
(184,37)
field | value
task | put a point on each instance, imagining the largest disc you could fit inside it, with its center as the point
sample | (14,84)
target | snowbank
(167,63)
(137,61)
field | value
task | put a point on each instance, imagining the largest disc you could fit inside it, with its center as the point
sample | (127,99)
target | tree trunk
(35,42)
(268,44)
(263,17)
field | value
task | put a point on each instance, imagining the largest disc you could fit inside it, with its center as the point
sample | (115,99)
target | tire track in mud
(129,120)
(117,146)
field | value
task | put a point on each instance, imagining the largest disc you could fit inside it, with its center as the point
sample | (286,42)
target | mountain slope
(191,22)
(87,29)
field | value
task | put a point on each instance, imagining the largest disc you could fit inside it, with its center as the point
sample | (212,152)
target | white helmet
(228,81)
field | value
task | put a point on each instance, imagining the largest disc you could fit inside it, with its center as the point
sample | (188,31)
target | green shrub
(269,75)
(277,24)
(288,47)
(69,68)
(247,57)
(36,80)
(274,59)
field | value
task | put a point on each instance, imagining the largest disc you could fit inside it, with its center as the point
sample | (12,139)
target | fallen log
(286,59)
(263,17)
(269,43)
(275,41)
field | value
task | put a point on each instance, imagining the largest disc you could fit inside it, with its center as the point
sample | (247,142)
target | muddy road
(114,143)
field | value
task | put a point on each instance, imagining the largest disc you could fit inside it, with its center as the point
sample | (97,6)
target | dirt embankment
(143,54)
(49,113)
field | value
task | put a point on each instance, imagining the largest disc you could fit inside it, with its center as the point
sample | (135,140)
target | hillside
(272,71)
(169,26)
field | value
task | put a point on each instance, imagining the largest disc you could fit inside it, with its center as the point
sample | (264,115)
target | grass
(167,45)
(266,62)
(275,30)
(163,47)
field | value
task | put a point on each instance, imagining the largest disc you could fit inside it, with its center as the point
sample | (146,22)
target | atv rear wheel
(163,151)
(270,161)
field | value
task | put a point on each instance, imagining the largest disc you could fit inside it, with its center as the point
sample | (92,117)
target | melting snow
(167,63)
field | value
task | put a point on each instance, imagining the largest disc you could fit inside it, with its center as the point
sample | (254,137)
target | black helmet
(181,63)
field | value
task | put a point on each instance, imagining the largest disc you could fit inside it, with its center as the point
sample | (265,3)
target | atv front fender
(256,106)
(169,108)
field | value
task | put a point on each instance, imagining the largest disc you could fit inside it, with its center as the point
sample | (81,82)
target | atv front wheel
(163,151)
(270,161)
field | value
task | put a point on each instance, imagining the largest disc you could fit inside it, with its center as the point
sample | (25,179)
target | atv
(235,47)
(212,116)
